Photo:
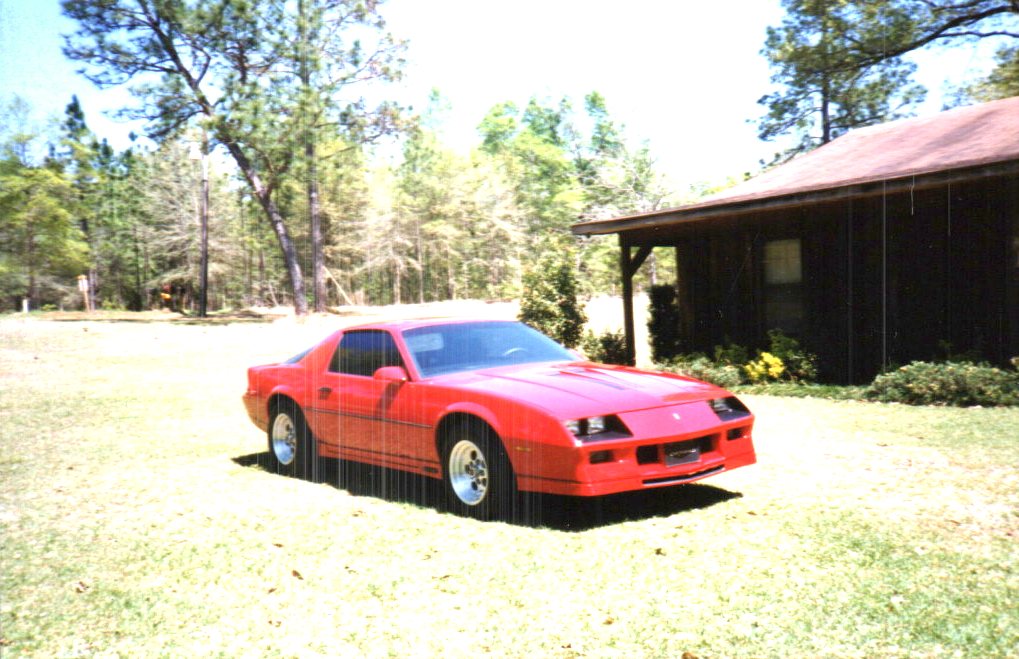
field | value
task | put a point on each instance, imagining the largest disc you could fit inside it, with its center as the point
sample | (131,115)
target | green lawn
(135,520)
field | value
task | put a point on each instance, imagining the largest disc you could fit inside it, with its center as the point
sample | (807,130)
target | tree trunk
(318,276)
(272,214)
(421,263)
(825,115)
(397,283)
(139,292)
(317,258)
(263,294)
(33,291)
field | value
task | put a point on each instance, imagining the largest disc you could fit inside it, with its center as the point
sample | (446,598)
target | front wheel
(292,450)
(478,476)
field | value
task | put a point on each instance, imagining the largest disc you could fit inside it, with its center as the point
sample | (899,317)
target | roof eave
(723,208)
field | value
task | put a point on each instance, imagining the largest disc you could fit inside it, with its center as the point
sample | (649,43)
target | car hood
(579,389)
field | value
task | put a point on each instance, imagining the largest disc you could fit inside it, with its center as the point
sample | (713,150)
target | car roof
(415,323)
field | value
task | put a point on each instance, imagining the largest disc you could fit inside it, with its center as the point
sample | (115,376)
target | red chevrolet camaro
(492,408)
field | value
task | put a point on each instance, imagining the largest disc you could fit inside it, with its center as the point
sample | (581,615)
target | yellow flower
(767,367)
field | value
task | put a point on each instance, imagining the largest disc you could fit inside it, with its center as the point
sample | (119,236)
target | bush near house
(549,301)
(788,370)
(766,368)
(605,348)
(947,383)
(698,365)
(798,364)
(732,366)
(663,323)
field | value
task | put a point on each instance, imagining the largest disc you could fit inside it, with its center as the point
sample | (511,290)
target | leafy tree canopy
(254,72)
(838,64)
(1002,82)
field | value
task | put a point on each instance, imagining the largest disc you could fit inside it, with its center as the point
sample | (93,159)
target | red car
(492,408)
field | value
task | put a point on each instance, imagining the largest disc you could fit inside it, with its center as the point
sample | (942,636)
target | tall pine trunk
(317,258)
(279,227)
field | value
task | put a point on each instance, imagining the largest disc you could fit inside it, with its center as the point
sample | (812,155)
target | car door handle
(324,390)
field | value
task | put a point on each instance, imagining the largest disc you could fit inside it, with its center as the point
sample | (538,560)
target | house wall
(887,279)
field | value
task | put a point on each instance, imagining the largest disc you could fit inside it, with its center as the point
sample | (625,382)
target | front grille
(675,453)
(647,454)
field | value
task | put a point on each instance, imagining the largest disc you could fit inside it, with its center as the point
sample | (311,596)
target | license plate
(679,453)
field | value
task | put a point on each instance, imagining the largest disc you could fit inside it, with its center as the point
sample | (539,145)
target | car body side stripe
(319,410)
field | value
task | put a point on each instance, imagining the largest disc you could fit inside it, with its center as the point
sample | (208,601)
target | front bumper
(625,465)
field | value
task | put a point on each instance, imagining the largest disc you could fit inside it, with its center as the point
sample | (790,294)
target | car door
(364,418)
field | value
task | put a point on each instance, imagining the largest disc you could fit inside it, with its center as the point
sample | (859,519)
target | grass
(135,521)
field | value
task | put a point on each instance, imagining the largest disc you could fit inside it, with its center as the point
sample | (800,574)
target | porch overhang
(733,207)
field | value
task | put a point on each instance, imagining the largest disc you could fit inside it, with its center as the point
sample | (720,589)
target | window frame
(784,295)
(336,361)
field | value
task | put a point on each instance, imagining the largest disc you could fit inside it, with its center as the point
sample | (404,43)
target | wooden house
(892,243)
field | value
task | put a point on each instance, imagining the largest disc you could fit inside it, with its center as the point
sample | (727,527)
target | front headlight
(586,427)
(720,406)
(729,408)
(595,424)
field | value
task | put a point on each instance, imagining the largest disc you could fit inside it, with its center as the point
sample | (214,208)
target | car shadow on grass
(561,513)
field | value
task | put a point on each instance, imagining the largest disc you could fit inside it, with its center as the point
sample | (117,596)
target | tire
(292,450)
(478,477)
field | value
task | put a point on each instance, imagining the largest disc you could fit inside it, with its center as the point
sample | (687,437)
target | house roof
(960,140)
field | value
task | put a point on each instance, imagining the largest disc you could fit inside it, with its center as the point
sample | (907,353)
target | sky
(684,76)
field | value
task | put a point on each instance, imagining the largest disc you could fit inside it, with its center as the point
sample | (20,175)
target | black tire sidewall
(305,462)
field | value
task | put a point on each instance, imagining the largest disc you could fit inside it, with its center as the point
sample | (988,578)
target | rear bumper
(253,406)
(632,465)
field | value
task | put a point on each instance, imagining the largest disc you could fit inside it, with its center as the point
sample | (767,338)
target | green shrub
(698,366)
(549,301)
(605,348)
(732,354)
(947,383)
(663,323)
(799,365)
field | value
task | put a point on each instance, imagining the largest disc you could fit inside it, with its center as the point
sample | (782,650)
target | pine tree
(549,302)
(231,64)
(822,93)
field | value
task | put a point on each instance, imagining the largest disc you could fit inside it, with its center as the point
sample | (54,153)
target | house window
(783,285)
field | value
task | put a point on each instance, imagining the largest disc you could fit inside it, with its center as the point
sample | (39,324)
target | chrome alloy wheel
(284,439)
(468,472)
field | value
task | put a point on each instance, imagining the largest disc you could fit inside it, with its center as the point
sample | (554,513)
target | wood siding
(887,279)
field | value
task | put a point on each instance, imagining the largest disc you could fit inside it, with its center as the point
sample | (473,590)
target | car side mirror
(394,374)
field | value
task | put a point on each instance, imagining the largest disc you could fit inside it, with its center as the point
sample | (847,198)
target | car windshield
(441,349)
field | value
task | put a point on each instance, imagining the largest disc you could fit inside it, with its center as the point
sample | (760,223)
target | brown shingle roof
(962,138)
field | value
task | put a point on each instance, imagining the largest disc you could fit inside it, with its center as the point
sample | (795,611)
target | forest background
(277,106)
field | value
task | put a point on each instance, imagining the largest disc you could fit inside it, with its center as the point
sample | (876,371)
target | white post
(83,286)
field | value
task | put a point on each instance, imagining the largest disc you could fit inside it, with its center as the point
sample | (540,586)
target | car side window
(362,352)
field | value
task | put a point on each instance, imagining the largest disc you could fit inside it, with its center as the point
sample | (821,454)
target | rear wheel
(478,476)
(292,450)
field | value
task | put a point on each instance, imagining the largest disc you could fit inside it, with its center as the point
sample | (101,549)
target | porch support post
(628,265)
